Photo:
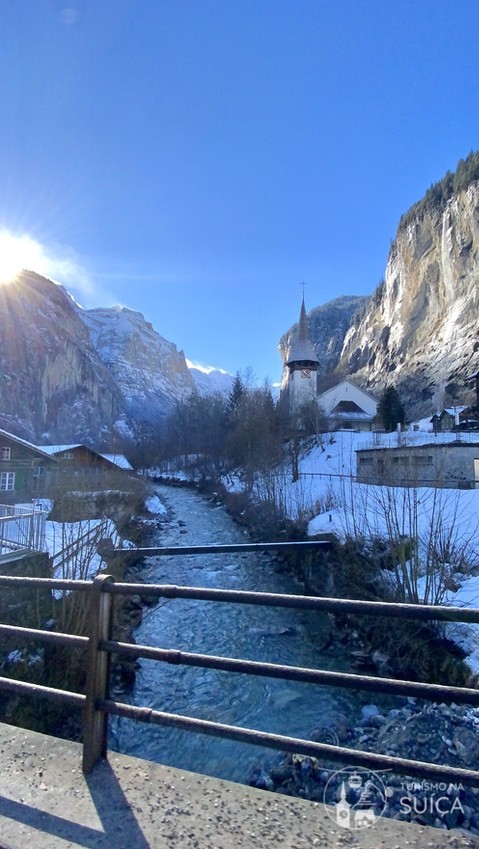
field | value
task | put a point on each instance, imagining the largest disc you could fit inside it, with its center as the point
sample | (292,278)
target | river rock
(432,733)
(368,711)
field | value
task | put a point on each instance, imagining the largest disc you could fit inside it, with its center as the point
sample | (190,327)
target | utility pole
(475,377)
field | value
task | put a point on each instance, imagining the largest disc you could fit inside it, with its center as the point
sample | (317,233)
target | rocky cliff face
(74,375)
(419,330)
(149,371)
(53,386)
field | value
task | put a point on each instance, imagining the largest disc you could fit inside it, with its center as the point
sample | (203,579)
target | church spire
(303,322)
(301,349)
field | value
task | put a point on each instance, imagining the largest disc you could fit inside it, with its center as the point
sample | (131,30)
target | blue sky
(197,159)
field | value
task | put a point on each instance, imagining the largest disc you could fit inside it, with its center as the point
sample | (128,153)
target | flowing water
(232,630)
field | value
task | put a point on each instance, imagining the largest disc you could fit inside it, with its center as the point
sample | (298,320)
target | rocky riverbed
(435,733)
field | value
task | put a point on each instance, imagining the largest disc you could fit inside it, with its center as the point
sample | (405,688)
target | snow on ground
(447,518)
(155,505)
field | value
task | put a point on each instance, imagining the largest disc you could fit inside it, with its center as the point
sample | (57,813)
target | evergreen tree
(236,395)
(390,409)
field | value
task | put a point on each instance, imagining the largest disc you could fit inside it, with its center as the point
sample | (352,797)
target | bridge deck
(126,803)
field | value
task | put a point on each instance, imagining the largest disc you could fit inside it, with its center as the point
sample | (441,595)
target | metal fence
(99,645)
(22,531)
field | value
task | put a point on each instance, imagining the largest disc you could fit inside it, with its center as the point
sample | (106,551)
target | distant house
(452,464)
(447,419)
(118,460)
(346,407)
(85,462)
(26,471)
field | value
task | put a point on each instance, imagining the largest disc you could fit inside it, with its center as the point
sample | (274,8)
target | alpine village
(352,484)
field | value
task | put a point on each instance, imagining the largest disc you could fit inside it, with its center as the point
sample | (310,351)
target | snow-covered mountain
(69,374)
(209,381)
(150,371)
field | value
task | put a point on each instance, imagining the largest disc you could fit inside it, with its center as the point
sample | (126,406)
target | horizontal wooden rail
(293,744)
(58,637)
(26,688)
(338,606)
(233,548)
(433,692)
(330,605)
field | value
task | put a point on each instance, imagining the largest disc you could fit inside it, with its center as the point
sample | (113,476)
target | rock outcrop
(74,375)
(53,385)
(149,371)
(419,330)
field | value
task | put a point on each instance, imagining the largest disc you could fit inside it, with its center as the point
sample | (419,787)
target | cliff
(53,385)
(149,371)
(419,329)
(92,376)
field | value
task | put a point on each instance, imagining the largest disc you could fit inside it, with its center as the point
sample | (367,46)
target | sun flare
(17,253)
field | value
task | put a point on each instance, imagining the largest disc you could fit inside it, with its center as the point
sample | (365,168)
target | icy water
(231,630)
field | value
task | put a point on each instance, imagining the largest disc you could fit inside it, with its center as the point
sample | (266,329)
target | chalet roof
(301,349)
(59,449)
(115,459)
(352,416)
(347,407)
(340,383)
(118,460)
(450,411)
(37,448)
(420,447)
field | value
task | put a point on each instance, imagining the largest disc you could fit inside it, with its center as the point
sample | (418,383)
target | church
(345,405)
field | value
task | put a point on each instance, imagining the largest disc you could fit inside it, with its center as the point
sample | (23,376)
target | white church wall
(346,391)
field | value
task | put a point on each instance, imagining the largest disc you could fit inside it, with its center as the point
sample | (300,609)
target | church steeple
(302,350)
(302,365)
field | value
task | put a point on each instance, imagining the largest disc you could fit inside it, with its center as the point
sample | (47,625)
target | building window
(423,460)
(67,455)
(366,461)
(5,453)
(7,481)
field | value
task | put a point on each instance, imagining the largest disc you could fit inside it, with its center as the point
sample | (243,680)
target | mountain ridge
(94,376)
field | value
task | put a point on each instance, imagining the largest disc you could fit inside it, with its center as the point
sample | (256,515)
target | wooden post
(95,722)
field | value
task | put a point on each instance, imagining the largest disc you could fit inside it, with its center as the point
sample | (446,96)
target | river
(233,630)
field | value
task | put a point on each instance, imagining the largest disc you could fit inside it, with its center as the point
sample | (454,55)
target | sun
(17,253)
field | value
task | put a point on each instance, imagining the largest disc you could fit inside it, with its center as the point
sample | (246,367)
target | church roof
(301,349)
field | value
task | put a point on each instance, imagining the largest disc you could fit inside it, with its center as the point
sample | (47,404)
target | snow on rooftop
(58,449)
(119,460)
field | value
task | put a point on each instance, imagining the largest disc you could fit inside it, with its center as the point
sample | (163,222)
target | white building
(348,407)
